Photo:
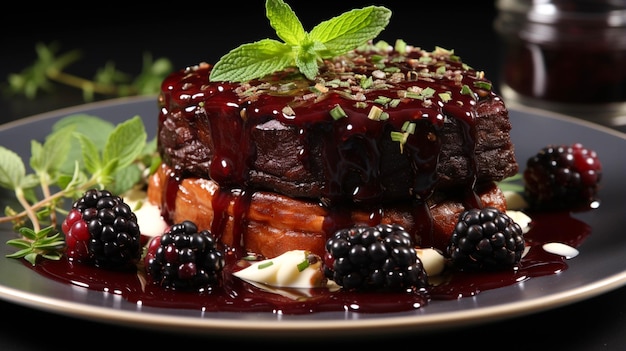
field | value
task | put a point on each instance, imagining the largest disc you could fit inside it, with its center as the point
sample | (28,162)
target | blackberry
(485,239)
(101,229)
(381,257)
(561,176)
(184,258)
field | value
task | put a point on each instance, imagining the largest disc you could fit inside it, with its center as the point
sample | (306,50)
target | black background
(187,33)
(190,32)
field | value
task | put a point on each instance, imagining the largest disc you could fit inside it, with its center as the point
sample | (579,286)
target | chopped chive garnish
(400,46)
(377,58)
(319,88)
(366,82)
(392,69)
(381,44)
(442,51)
(398,136)
(412,94)
(445,97)
(337,112)
(335,83)
(408,127)
(425,59)
(427,92)
(288,111)
(303,265)
(465,90)
(375,113)
(401,137)
(482,85)
(265,264)
(287,86)
(383,100)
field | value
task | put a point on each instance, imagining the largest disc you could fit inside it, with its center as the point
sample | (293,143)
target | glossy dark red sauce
(235,295)
(351,143)
(350,146)
(435,87)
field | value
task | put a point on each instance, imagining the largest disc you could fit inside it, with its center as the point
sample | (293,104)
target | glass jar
(567,56)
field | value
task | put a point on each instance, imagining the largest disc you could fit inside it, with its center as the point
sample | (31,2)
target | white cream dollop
(561,249)
(149,218)
(292,269)
(432,260)
(520,218)
(515,200)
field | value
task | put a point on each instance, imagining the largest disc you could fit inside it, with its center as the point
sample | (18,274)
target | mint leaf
(125,142)
(125,178)
(253,60)
(351,29)
(12,169)
(48,158)
(285,22)
(300,49)
(94,128)
(90,154)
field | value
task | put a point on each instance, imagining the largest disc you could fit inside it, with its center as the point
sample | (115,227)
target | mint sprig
(46,243)
(116,157)
(302,49)
(51,68)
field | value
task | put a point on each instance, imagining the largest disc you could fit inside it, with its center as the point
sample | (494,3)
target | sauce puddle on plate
(236,295)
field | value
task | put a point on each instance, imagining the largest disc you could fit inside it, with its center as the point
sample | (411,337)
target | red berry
(561,176)
(76,240)
(102,230)
(72,217)
(184,258)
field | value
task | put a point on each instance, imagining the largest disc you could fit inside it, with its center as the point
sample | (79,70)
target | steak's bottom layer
(270,224)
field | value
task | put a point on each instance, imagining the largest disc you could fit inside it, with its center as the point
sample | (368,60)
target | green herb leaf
(125,178)
(300,49)
(46,243)
(285,22)
(265,264)
(125,142)
(514,183)
(12,169)
(253,60)
(113,156)
(351,29)
(49,68)
(94,128)
(303,265)
(91,157)
(49,157)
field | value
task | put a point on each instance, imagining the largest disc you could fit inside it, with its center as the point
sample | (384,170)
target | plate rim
(299,328)
(306,328)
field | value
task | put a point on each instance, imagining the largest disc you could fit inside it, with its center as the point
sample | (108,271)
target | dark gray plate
(599,268)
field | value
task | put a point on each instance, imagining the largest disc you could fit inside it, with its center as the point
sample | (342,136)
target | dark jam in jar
(566,56)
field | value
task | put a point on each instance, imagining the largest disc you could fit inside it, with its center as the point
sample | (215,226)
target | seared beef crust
(277,165)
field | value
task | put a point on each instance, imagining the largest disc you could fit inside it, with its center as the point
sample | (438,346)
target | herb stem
(46,201)
(81,83)
(28,209)
(45,189)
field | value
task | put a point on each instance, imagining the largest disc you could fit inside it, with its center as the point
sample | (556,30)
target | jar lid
(611,13)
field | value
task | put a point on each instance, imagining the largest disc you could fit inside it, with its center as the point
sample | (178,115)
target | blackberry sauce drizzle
(448,91)
(235,295)
(232,110)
